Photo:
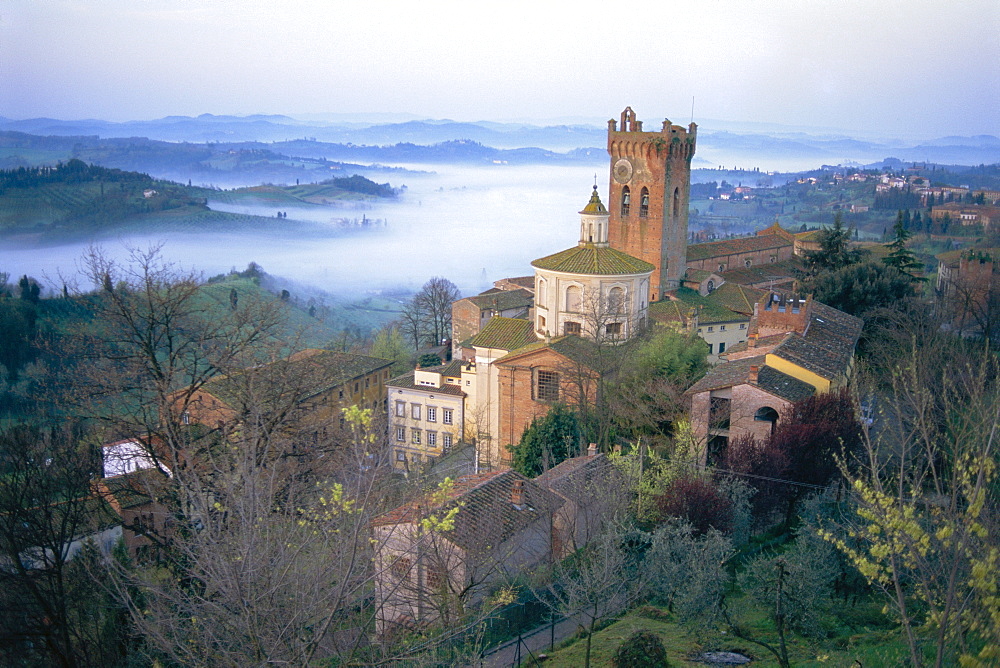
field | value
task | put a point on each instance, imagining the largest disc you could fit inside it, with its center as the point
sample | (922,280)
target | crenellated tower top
(649,194)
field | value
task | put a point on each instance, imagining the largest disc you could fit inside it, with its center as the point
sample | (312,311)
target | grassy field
(863,640)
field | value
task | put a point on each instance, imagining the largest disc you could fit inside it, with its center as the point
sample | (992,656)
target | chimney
(592,449)
(517,493)
(752,340)
(753,374)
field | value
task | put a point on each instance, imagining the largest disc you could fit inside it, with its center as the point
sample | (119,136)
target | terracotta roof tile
(574,348)
(504,300)
(322,369)
(406,382)
(710,249)
(504,334)
(737,372)
(486,514)
(577,477)
(592,259)
(762,273)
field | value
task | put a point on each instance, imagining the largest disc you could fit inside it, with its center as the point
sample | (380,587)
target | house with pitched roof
(769,246)
(592,491)
(530,379)
(795,348)
(444,552)
(315,383)
(721,318)
(427,412)
(470,315)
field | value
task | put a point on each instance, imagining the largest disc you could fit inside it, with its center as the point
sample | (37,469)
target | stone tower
(649,194)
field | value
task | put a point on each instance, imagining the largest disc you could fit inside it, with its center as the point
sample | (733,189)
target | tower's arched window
(542,296)
(574,298)
(626,200)
(644,203)
(677,202)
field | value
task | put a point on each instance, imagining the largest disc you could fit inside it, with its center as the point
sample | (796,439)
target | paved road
(517,651)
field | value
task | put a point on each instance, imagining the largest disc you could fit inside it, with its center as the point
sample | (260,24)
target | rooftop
(316,370)
(710,249)
(486,514)
(504,334)
(737,372)
(503,300)
(593,259)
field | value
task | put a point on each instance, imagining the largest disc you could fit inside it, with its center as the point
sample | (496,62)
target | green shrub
(642,649)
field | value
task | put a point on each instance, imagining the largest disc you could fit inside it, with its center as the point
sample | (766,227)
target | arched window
(711,285)
(644,203)
(616,300)
(542,293)
(574,298)
(747,263)
(766,414)
(677,202)
(626,200)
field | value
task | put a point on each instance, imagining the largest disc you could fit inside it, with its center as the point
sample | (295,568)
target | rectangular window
(340,394)
(357,386)
(432,438)
(432,414)
(400,455)
(401,567)
(400,409)
(415,436)
(547,386)
(400,433)
(571,328)
(613,328)
(415,411)
(446,441)
(435,577)
(711,329)
(722,328)
(710,349)
(743,325)
(368,383)
(447,416)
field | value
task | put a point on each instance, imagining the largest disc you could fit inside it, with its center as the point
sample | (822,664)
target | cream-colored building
(591,290)
(427,412)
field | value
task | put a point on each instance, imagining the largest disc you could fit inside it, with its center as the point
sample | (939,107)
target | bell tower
(649,195)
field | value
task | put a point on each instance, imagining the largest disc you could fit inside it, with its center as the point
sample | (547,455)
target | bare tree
(47,514)
(434,301)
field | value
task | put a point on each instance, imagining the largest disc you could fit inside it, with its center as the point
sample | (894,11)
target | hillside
(74,199)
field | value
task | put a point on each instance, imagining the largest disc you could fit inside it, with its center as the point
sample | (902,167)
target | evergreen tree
(548,441)
(834,252)
(900,256)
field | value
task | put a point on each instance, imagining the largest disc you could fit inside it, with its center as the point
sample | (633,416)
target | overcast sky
(913,67)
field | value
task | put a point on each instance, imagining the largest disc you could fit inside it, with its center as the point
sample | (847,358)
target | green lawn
(872,647)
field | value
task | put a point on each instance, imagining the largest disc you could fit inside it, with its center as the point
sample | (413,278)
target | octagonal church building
(591,289)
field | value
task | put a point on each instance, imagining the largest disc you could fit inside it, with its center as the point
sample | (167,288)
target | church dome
(593,259)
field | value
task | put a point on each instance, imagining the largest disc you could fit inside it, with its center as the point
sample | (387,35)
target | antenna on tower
(692,108)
